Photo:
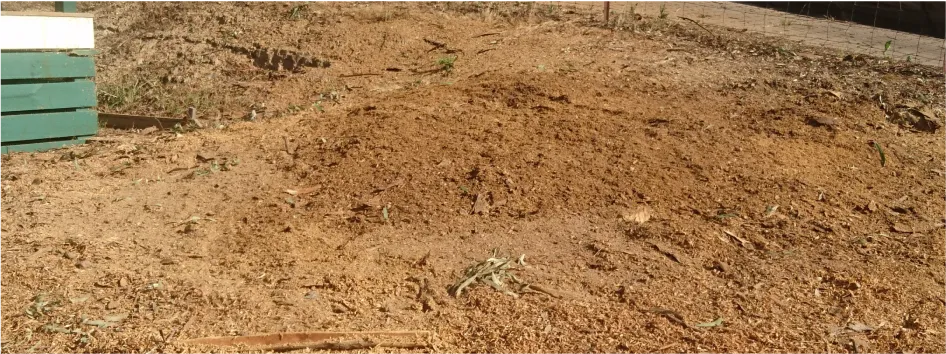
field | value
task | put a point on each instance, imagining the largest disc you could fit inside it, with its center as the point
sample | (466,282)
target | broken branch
(486,34)
(359,74)
(348,345)
(303,339)
(698,24)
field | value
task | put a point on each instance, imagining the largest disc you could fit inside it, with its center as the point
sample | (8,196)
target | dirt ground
(675,189)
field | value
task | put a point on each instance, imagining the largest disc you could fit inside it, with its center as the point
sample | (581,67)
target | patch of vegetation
(136,94)
(298,11)
(446,64)
(121,94)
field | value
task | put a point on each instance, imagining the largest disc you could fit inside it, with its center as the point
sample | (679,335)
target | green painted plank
(41,145)
(65,6)
(57,95)
(21,127)
(49,65)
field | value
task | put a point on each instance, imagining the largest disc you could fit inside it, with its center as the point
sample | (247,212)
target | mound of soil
(727,194)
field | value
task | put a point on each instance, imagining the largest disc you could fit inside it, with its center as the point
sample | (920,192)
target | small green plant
(552,11)
(663,12)
(446,63)
(887,46)
(627,20)
(41,306)
(318,106)
(294,108)
(909,59)
(122,94)
(297,11)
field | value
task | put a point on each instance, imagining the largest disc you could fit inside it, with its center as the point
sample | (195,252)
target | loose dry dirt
(769,205)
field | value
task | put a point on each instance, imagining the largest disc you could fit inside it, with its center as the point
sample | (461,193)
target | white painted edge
(40,32)
(46,14)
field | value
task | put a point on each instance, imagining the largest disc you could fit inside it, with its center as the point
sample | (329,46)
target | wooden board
(43,96)
(45,32)
(40,145)
(126,121)
(21,127)
(47,65)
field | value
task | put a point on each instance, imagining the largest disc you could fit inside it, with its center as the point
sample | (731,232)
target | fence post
(607,12)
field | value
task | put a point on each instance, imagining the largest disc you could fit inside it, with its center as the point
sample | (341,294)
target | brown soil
(561,128)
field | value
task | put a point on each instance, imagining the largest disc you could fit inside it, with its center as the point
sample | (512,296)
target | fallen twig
(437,45)
(481,51)
(291,152)
(698,24)
(548,291)
(174,335)
(671,315)
(125,121)
(348,345)
(297,340)
(360,74)
(486,34)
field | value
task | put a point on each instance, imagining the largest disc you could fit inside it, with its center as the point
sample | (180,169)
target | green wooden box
(47,99)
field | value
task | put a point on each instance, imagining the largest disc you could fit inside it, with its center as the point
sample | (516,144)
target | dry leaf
(374,202)
(859,327)
(640,216)
(481,206)
(205,156)
(307,190)
(901,228)
(715,323)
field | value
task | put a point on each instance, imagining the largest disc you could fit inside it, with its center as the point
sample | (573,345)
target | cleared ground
(349,204)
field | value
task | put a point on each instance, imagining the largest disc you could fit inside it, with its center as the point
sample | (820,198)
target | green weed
(446,63)
(298,11)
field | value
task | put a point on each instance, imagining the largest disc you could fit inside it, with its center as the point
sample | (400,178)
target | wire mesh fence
(900,30)
(810,25)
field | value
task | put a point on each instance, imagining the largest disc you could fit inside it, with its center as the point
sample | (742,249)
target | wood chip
(861,345)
